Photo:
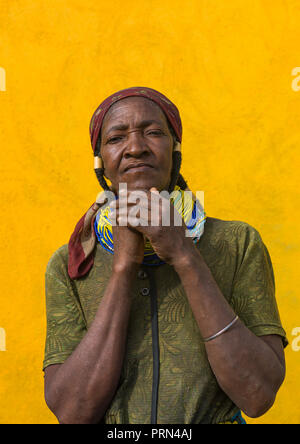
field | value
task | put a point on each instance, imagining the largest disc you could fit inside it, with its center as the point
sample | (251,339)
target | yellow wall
(228,66)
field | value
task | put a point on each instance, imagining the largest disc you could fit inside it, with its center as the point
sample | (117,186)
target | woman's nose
(136,144)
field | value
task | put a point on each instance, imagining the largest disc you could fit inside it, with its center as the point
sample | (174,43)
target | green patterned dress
(187,391)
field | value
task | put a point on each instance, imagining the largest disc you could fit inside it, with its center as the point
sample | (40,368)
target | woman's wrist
(129,268)
(187,258)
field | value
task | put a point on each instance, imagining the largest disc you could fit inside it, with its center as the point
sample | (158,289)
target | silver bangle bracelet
(221,331)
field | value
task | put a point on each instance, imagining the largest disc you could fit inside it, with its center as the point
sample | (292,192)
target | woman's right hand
(128,247)
(128,242)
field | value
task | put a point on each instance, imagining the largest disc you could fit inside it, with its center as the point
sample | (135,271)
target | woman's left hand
(157,220)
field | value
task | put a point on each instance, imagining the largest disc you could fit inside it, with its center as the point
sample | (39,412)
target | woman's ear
(98,164)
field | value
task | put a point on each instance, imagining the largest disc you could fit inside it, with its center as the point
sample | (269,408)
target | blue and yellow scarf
(188,207)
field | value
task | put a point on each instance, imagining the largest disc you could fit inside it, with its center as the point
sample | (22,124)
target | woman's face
(136,145)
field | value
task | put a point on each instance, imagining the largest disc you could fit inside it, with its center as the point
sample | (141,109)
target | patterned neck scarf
(188,207)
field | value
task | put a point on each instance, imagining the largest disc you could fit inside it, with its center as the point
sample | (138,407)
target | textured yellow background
(227,64)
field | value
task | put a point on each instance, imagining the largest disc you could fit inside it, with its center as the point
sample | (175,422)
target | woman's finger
(154,190)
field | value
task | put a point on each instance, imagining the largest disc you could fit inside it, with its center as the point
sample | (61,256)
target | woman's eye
(114,139)
(155,132)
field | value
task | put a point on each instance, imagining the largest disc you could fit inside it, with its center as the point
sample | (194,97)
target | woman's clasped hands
(139,215)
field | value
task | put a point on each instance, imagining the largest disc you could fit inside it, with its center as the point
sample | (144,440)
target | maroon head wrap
(162,101)
(83,240)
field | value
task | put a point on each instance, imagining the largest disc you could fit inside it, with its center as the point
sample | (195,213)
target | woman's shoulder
(231,231)
(58,260)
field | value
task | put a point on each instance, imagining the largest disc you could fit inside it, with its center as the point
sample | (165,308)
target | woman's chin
(141,185)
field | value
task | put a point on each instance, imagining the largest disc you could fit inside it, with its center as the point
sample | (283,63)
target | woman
(173,323)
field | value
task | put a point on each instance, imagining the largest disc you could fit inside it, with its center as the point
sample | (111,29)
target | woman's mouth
(138,167)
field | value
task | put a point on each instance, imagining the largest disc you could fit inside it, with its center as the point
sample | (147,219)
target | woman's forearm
(246,368)
(84,385)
